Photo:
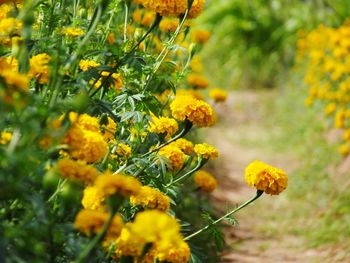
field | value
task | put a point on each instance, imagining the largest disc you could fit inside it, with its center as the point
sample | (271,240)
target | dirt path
(240,121)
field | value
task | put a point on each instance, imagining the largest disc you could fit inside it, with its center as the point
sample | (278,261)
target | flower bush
(325,54)
(96,111)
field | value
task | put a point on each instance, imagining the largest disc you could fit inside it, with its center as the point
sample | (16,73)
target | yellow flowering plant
(95,153)
(323,57)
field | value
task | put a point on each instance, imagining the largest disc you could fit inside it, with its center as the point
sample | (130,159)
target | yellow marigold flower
(206,151)
(93,199)
(190,92)
(168,25)
(205,181)
(173,7)
(166,7)
(339,119)
(109,184)
(346,135)
(163,233)
(330,108)
(266,178)
(77,170)
(92,147)
(200,113)
(129,244)
(9,27)
(109,130)
(344,149)
(196,9)
(5,137)
(177,253)
(90,222)
(86,64)
(83,137)
(16,80)
(5,9)
(196,64)
(163,125)
(39,67)
(218,95)
(200,36)
(123,150)
(151,198)
(148,18)
(111,38)
(72,32)
(116,78)
(174,154)
(185,145)
(198,81)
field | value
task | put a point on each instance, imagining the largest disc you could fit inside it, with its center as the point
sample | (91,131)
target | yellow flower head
(330,108)
(173,7)
(73,32)
(123,150)
(39,67)
(86,64)
(5,137)
(344,149)
(163,233)
(177,253)
(108,184)
(77,170)
(218,95)
(196,64)
(109,130)
(205,181)
(199,112)
(163,125)
(84,138)
(9,27)
(93,199)
(168,25)
(90,222)
(185,145)
(151,198)
(197,8)
(200,36)
(197,81)
(206,151)
(266,178)
(174,154)
(15,79)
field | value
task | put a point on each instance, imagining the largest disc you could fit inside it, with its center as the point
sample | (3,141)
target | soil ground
(240,120)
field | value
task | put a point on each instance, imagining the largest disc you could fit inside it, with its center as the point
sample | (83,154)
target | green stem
(85,39)
(165,51)
(58,189)
(258,194)
(155,23)
(94,242)
(200,164)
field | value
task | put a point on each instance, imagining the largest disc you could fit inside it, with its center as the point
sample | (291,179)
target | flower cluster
(96,136)
(326,54)
(162,234)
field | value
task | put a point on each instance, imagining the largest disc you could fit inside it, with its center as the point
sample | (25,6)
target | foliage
(258,37)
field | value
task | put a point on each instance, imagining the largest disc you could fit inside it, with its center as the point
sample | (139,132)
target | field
(174,131)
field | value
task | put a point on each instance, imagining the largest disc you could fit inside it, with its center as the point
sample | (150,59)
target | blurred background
(253,54)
